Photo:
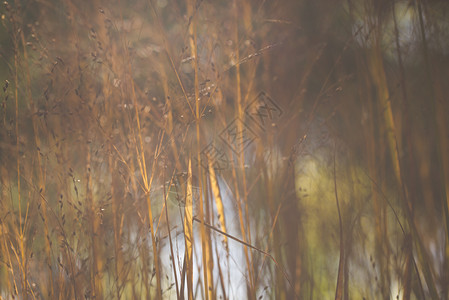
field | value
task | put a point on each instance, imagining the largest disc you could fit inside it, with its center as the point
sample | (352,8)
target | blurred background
(285,149)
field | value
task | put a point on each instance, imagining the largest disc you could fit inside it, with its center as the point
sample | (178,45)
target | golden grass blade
(188,233)
(218,201)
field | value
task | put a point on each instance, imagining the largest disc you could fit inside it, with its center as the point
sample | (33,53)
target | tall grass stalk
(223,150)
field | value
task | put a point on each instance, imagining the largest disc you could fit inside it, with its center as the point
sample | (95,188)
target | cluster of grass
(224,150)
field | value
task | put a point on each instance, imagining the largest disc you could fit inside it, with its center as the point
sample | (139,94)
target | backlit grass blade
(218,201)
(188,233)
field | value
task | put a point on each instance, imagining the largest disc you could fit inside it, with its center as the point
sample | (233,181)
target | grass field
(224,149)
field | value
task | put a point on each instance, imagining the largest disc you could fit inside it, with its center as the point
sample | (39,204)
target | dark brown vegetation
(224,149)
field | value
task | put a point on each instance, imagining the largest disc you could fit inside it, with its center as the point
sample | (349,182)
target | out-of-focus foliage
(325,124)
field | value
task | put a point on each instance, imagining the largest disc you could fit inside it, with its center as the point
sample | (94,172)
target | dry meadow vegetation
(241,149)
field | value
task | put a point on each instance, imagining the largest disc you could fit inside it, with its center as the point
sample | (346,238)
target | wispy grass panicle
(223,149)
